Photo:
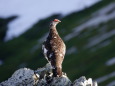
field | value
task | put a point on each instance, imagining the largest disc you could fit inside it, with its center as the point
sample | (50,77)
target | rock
(22,77)
(44,71)
(61,81)
(83,82)
(43,77)
(42,82)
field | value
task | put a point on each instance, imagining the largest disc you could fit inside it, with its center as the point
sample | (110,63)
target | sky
(31,11)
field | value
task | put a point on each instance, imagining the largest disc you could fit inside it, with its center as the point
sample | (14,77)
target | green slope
(25,51)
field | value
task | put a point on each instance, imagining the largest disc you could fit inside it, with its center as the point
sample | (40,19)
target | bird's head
(54,22)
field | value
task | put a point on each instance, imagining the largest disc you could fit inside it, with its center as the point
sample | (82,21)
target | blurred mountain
(90,39)
(3,26)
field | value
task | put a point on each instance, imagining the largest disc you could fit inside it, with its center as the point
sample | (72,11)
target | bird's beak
(59,21)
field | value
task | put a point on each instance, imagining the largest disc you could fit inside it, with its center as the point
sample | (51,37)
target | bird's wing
(47,51)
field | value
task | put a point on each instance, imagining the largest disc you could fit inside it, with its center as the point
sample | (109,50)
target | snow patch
(97,18)
(30,12)
(103,44)
(1,62)
(105,10)
(106,77)
(111,83)
(97,39)
(110,62)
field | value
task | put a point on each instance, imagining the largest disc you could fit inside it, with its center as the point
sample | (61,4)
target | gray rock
(22,77)
(61,81)
(83,82)
(43,77)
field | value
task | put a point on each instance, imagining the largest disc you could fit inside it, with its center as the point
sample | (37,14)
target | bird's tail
(57,71)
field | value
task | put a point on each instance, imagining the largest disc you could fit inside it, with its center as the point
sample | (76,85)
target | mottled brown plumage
(54,49)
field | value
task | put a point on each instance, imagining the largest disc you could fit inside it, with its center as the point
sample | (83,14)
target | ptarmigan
(54,49)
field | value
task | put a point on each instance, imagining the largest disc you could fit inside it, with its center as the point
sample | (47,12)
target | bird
(54,49)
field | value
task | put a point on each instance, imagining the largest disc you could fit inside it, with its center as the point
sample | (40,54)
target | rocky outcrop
(43,77)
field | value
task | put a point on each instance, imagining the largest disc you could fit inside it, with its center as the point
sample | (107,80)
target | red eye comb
(56,20)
